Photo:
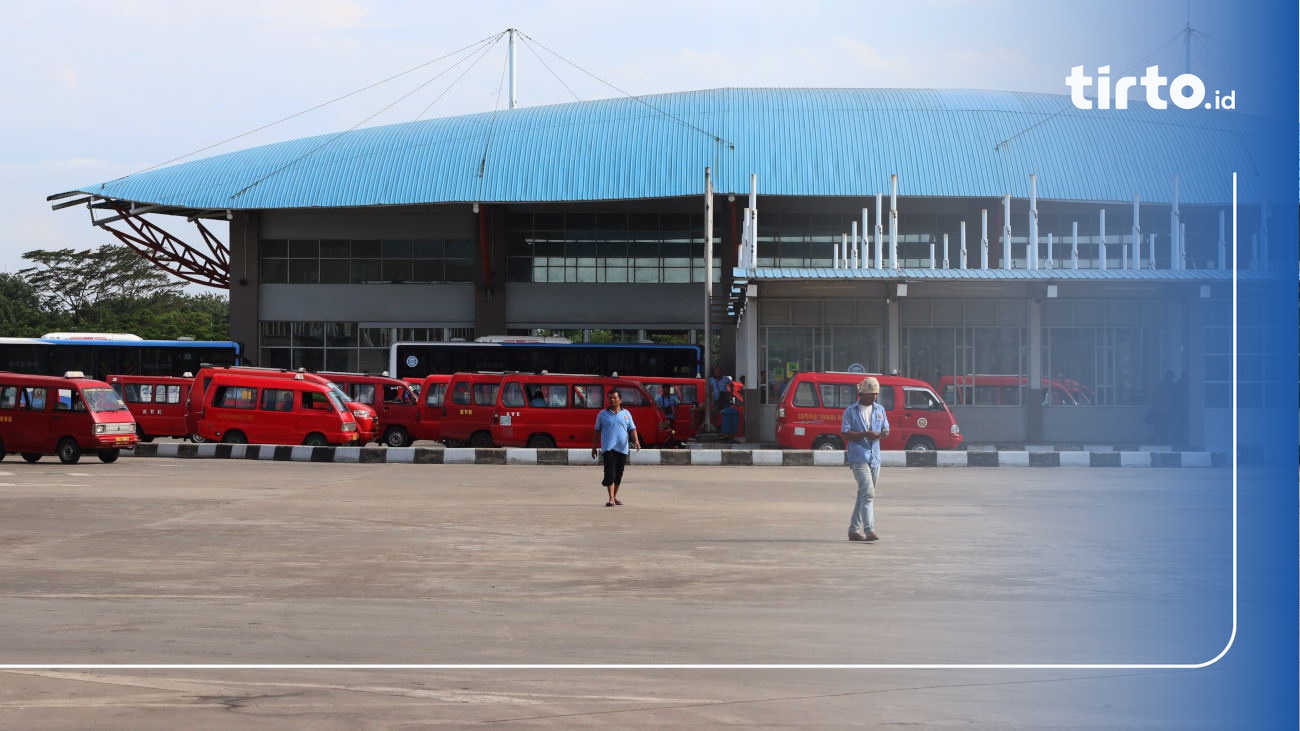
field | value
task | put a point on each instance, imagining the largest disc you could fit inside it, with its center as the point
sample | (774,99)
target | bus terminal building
(933,233)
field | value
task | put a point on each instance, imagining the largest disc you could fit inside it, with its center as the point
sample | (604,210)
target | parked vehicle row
(540,410)
(233,404)
(67,416)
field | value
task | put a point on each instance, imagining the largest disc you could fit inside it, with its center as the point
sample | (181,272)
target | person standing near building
(863,425)
(719,392)
(615,430)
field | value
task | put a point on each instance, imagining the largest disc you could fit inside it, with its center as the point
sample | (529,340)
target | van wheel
(109,456)
(68,451)
(315,440)
(920,444)
(198,438)
(234,437)
(828,443)
(32,457)
(397,437)
(480,440)
(541,441)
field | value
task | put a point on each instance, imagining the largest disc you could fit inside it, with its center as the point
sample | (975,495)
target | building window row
(369,261)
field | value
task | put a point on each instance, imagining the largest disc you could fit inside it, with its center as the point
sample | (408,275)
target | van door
(278,419)
(36,416)
(923,421)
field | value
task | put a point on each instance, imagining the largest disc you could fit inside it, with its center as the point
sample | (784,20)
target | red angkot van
(66,416)
(367,422)
(432,392)
(468,406)
(811,410)
(247,408)
(159,404)
(558,410)
(391,399)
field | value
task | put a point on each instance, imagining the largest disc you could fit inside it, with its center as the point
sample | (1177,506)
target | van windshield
(102,399)
(339,406)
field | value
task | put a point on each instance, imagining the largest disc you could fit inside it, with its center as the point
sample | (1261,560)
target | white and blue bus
(99,355)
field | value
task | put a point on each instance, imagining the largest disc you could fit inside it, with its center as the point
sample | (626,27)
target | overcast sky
(97,90)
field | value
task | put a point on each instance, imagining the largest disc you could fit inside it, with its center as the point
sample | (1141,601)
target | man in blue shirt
(863,425)
(614,431)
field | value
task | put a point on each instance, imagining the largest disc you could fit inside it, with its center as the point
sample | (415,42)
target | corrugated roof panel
(800,142)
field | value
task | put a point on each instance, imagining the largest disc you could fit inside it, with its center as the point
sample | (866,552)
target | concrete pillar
(245,284)
(893,336)
(747,364)
(1034,410)
(490,280)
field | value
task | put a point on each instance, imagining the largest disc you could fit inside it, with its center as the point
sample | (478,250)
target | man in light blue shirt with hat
(863,426)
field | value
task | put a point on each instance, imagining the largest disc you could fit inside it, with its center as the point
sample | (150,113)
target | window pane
(335,249)
(397,248)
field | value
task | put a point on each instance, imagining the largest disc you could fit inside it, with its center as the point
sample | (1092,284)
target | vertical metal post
(1222,245)
(513,98)
(1174,263)
(945,251)
(893,220)
(1006,231)
(984,238)
(1101,240)
(880,255)
(1031,261)
(1074,246)
(708,288)
(963,244)
(1137,233)
(866,252)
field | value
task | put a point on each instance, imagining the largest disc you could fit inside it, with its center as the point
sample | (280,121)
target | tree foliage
(109,289)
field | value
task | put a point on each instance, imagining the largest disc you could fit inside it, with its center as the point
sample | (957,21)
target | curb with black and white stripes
(679,457)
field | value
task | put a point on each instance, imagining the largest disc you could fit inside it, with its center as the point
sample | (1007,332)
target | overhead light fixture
(476,208)
(1205,291)
(900,289)
(1051,291)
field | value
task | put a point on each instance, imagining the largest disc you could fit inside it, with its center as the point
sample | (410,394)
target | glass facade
(370,261)
(650,248)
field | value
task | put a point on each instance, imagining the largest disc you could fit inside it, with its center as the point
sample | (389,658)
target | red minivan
(559,410)
(810,413)
(390,398)
(468,407)
(66,416)
(248,408)
(432,391)
(365,418)
(159,404)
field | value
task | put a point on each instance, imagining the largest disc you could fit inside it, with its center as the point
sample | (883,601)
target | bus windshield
(102,399)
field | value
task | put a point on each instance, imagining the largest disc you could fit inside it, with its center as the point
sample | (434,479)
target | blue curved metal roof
(800,142)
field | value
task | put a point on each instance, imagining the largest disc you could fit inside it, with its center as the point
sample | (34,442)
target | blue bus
(416,360)
(99,355)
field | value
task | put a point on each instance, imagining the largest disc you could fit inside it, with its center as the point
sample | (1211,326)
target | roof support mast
(513,100)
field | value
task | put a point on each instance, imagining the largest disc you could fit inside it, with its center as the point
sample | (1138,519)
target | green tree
(21,313)
(79,284)
(109,289)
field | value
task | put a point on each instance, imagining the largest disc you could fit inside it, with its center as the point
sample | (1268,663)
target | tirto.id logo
(1186,91)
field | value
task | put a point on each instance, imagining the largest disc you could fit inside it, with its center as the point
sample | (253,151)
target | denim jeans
(864,511)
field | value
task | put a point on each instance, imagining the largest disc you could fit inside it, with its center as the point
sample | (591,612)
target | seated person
(537,400)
